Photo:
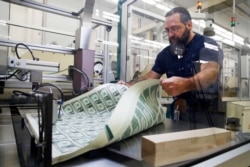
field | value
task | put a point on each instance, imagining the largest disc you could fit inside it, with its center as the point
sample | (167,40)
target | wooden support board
(169,148)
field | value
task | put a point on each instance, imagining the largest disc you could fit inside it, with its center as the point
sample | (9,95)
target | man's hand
(150,75)
(124,83)
(175,86)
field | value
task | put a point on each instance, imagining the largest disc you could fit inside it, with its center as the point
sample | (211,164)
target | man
(192,64)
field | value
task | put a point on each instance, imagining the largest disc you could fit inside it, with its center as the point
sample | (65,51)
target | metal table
(120,154)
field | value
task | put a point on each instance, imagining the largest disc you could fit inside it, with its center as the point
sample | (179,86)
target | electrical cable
(60,91)
(50,73)
(18,93)
(41,121)
(207,113)
(81,72)
(196,98)
(21,72)
(192,114)
(203,100)
(84,76)
(16,47)
(15,74)
(8,77)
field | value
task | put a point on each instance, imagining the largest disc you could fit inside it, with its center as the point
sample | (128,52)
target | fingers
(164,85)
(123,83)
(161,80)
(168,86)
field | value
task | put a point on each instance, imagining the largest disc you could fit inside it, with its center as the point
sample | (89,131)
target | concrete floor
(8,149)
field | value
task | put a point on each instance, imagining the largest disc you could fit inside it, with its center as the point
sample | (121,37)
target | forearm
(207,76)
(149,75)
(145,77)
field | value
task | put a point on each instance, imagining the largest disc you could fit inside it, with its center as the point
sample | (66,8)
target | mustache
(183,39)
(174,40)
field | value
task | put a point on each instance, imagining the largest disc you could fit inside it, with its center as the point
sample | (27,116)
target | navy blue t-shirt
(199,50)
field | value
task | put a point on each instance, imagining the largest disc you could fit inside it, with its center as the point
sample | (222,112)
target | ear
(189,25)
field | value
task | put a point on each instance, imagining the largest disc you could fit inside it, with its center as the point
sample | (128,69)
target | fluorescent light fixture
(229,42)
(112,54)
(217,38)
(218,28)
(160,6)
(145,43)
(112,1)
(224,34)
(142,41)
(111,16)
(111,43)
(53,45)
(238,38)
(135,38)
(2,22)
(4,36)
(239,42)
(97,12)
(228,36)
(156,43)
(146,57)
(67,47)
(200,23)
(150,2)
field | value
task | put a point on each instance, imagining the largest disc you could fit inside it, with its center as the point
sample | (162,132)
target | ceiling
(220,10)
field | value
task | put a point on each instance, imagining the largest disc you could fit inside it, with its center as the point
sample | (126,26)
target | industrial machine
(27,76)
(47,103)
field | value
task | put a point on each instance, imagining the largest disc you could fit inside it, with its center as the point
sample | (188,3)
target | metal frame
(10,43)
(47,98)
(125,14)
(62,50)
(55,10)
(123,34)
(50,9)
(48,107)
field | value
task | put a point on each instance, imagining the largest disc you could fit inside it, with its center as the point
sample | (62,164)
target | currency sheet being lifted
(107,114)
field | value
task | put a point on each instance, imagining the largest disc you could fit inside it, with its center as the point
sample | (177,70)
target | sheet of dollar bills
(107,114)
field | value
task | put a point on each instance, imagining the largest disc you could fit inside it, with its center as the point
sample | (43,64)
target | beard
(178,47)
(182,40)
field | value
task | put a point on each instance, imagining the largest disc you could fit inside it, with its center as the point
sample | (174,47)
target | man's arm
(177,85)
(150,75)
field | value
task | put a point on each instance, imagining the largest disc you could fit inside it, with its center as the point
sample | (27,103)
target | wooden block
(169,148)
